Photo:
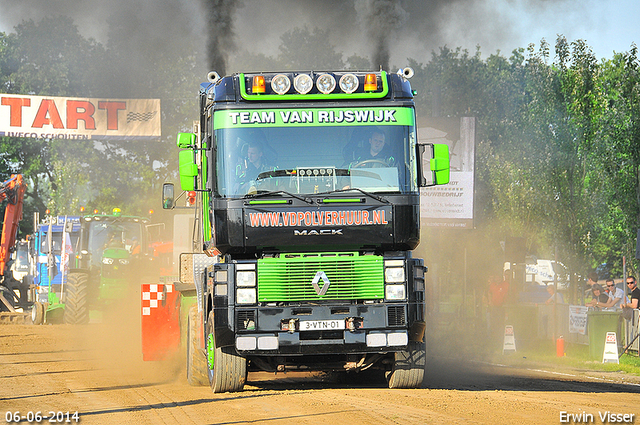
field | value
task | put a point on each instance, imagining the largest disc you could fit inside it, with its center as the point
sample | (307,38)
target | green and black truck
(307,187)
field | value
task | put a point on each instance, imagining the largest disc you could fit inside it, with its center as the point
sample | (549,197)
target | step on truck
(307,193)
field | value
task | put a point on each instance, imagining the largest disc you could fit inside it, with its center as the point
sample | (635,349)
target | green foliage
(50,58)
(558,132)
(302,49)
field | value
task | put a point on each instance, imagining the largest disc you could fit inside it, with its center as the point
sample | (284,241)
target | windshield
(22,258)
(112,234)
(257,152)
(56,242)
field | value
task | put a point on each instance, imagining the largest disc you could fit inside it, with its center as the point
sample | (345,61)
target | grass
(453,341)
(576,356)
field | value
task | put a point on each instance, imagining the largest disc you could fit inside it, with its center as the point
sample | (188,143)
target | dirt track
(97,371)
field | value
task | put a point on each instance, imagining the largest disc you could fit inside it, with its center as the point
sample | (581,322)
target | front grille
(115,271)
(351,276)
(395,314)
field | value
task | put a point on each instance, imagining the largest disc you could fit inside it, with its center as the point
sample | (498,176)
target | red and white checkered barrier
(152,296)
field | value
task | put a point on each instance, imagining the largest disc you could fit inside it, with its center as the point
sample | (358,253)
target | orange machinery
(13,191)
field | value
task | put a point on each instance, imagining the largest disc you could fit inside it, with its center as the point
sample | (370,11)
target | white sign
(450,205)
(610,354)
(79,118)
(578,319)
(509,339)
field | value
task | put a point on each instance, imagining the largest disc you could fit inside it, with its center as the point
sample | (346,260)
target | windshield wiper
(364,192)
(278,192)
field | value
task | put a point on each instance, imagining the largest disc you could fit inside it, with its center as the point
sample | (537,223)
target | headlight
(221,290)
(221,276)
(394,274)
(303,83)
(349,83)
(246,296)
(124,261)
(326,83)
(106,260)
(246,278)
(280,84)
(394,292)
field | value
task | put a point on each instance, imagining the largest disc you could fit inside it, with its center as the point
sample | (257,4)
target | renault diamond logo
(316,279)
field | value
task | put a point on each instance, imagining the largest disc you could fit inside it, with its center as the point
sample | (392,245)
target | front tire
(227,369)
(196,360)
(408,366)
(37,313)
(76,301)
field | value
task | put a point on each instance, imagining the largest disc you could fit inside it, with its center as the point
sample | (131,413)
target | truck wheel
(76,299)
(196,361)
(37,313)
(227,370)
(408,367)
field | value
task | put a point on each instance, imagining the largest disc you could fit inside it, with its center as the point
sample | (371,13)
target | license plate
(321,325)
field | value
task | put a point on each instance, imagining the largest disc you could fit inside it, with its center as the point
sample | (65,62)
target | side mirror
(433,160)
(186,140)
(168,201)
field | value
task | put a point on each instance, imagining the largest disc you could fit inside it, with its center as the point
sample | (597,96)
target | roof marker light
(349,83)
(258,84)
(326,83)
(370,82)
(303,83)
(280,84)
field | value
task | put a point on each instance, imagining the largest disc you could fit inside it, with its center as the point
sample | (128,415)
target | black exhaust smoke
(381,18)
(219,28)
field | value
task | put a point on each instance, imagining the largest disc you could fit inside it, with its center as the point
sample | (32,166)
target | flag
(67,250)
(52,269)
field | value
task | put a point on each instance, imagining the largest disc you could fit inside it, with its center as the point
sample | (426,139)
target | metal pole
(63,252)
(555,294)
(464,292)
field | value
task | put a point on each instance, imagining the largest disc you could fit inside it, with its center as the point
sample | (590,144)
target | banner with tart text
(48,117)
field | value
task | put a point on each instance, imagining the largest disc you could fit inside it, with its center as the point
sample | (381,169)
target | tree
(302,49)
(619,154)
(45,58)
(51,58)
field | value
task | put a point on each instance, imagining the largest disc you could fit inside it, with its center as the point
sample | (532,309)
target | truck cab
(308,185)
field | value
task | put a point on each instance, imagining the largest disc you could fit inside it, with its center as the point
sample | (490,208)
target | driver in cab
(376,151)
(250,167)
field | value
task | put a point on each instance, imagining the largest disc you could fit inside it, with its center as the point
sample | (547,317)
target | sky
(407,28)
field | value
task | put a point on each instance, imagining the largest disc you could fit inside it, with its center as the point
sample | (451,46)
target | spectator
(599,297)
(554,297)
(615,294)
(495,298)
(592,279)
(634,293)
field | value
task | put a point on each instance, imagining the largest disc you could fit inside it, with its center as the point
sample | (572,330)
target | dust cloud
(114,338)
(386,31)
